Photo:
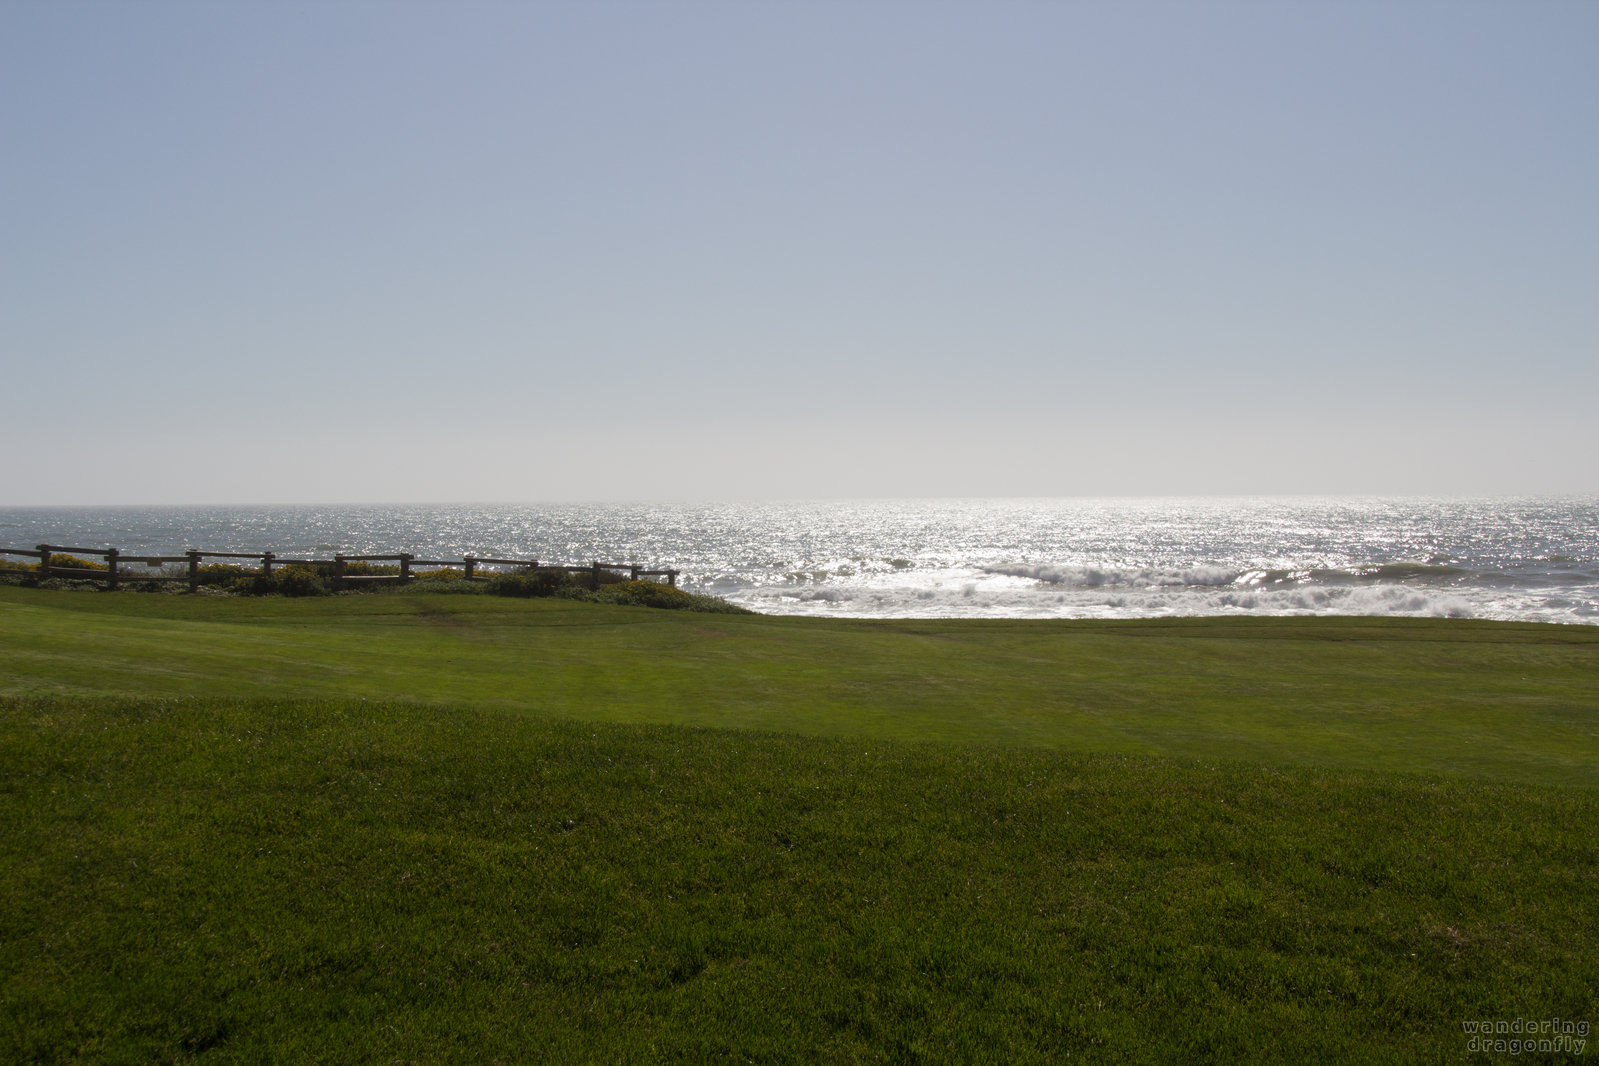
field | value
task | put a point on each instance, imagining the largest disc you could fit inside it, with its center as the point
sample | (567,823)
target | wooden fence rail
(116,562)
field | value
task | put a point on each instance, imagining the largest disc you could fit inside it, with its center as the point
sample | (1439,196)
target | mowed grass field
(409,827)
(1512,702)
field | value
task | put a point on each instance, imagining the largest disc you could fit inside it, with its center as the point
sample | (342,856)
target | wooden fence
(117,562)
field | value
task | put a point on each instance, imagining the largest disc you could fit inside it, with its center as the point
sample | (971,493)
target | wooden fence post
(44,561)
(671,578)
(111,568)
(266,562)
(194,569)
(405,566)
(633,574)
(471,566)
(338,571)
(596,575)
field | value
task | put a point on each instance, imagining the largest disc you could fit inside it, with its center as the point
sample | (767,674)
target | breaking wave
(1100,577)
(1012,592)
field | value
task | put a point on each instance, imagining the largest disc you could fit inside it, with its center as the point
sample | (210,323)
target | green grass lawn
(417,828)
(1512,702)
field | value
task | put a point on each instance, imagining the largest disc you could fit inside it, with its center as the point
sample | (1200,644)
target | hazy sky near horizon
(396,251)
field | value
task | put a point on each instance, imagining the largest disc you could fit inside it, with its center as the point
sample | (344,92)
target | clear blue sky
(385,251)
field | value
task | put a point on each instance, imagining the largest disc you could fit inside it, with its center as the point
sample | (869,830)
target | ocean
(1528,559)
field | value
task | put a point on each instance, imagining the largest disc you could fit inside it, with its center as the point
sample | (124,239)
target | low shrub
(614,589)
(162,588)
(222,573)
(448,573)
(425,586)
(361,568)
(664,597)
(13,572)
(72,562)
(292,579)
(530,584)
(317,579)
(645,594)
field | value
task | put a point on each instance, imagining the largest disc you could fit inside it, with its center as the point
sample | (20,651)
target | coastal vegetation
(425,827)
(297,579)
